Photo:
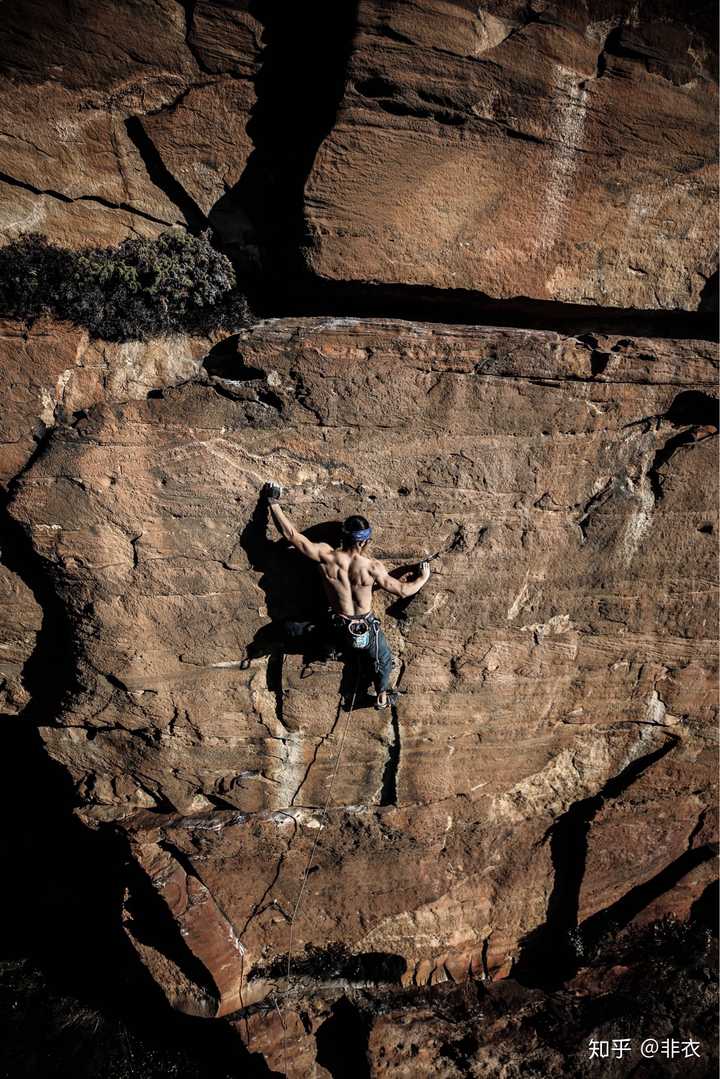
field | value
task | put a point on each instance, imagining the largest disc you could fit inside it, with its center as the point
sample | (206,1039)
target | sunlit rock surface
(548,775)
(559,678)
(558,150)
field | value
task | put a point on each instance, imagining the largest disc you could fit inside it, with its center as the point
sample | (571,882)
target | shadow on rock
(296,604)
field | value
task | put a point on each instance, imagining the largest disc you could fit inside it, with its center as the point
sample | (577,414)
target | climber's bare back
(348,579)
(348,576)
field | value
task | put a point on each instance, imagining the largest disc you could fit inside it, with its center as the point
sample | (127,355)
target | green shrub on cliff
(142,288)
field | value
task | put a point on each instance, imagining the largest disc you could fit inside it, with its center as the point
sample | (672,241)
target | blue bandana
(360,536)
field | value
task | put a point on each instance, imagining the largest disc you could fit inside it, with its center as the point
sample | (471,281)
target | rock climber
(349,578)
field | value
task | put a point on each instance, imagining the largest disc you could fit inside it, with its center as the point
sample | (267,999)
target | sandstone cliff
(549,773)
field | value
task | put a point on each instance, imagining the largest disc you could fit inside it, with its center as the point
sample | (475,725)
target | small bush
(140,289)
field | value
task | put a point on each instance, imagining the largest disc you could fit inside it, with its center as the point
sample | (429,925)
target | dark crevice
(704,910)
(49,674)
(258,393)
(436,107)
(592,505)
(307,296)
(693,407)
(388,792)
(389,32)
(161,176)
(116,682)
(663,455)
(306,48)
(601,64)
(342,1041)
(376,86)
(523,136)
(335,962)
(188,7)
(391,105)
(484,958)
(709,294)
(218,802)
(598,358)
(693,410)
(225,361)
(552,952)
(150,923)
(274,682)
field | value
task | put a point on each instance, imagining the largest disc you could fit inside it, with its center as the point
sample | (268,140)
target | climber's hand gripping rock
(272,492)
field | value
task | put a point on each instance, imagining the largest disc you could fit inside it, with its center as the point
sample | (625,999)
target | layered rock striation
(548,775)
(558,151)
(559,667)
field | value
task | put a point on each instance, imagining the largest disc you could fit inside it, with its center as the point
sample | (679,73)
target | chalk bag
(359,633)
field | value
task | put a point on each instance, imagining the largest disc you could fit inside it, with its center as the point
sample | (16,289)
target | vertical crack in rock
(550,953)
(188,7)
(49,673)
(258,907)
(388,792)
(307,47)
(161,176)
(321,742)
(274,683)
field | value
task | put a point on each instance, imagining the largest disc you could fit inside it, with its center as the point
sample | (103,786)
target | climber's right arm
(287,529)
(403,589)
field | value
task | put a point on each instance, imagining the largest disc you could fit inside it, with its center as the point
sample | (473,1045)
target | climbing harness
(357,630)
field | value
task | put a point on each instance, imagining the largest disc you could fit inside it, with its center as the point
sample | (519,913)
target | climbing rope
(323,815)
(310,860)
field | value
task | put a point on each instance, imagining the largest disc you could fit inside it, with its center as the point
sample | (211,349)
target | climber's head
(356,532)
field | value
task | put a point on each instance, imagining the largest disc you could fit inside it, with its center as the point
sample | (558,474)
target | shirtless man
(349,578)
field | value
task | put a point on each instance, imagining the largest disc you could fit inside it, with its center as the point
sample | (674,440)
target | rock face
(547,775)
(85,93)
(48,373)
(559,683)
(554,150)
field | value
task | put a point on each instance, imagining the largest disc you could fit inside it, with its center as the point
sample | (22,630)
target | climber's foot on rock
(388,698)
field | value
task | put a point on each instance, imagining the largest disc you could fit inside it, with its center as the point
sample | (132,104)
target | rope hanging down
(308,867)
(323,815)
